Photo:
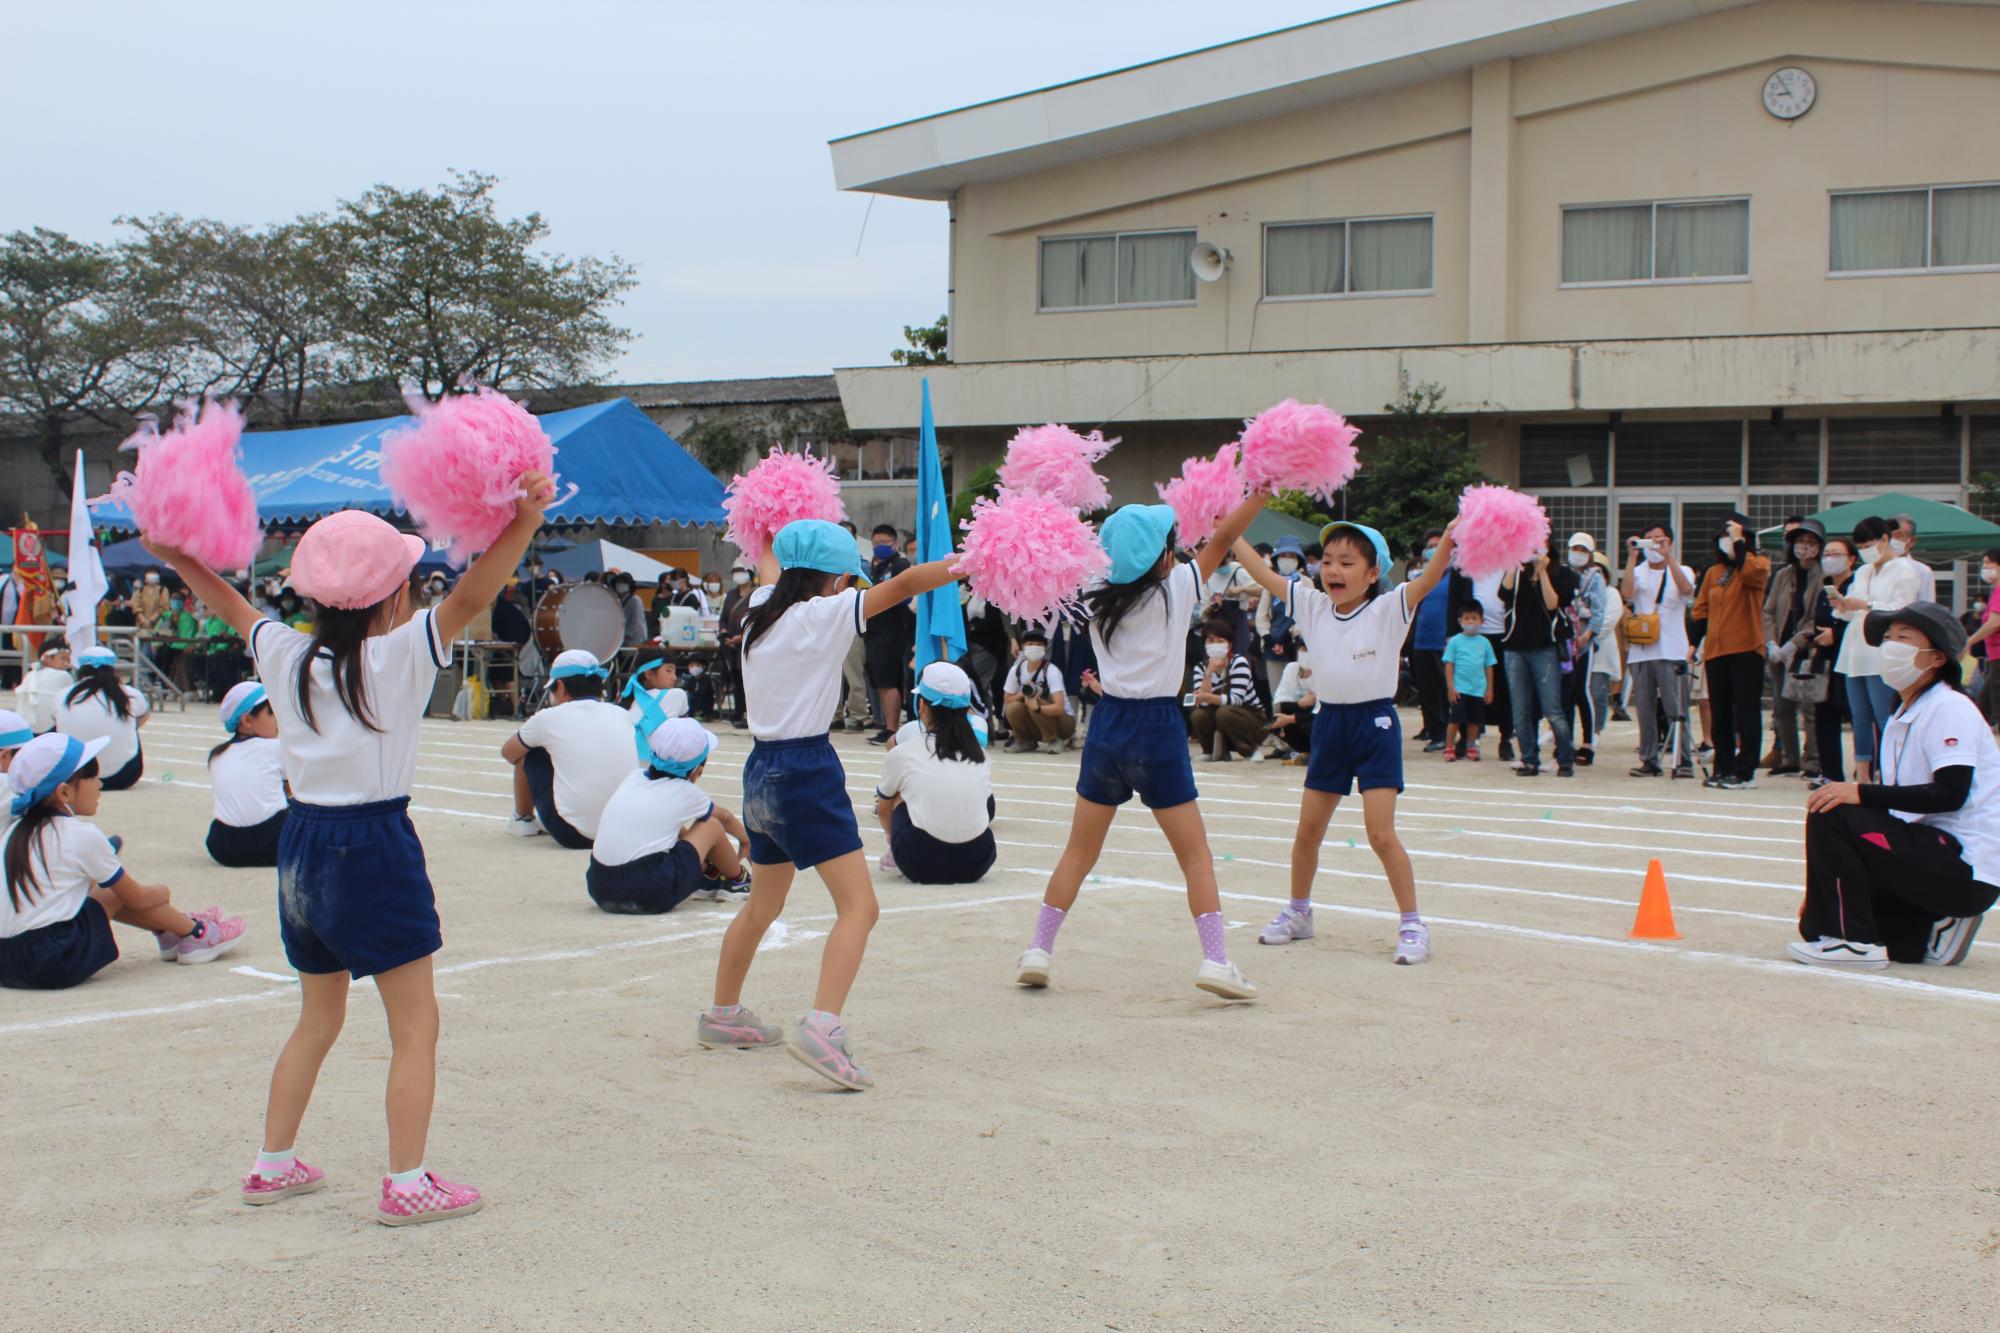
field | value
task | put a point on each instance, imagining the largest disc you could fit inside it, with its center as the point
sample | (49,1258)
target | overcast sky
(688,138)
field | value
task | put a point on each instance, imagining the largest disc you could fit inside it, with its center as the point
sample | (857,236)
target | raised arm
(209,587)
(912,582)
(1420,587)
(1260,571)
(481,584)
(1209,558)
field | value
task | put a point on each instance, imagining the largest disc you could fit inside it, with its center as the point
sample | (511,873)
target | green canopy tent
(1940,527)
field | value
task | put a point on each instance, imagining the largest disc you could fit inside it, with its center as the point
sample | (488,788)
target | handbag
(1645,628)
(1807,689)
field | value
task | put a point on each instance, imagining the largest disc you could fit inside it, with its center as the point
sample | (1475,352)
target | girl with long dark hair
(246,775)
(100,706)
(935,797)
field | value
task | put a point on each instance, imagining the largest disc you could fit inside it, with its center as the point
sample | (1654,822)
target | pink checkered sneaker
(432,1201)
(297,1179)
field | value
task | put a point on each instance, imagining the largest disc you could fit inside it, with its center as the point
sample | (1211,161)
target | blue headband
(939,697)
(652,718)
(13,740)
(234,720)
(633,686)
(72,759)
(565,672)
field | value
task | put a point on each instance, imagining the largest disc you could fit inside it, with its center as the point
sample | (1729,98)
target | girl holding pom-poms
(1137,744)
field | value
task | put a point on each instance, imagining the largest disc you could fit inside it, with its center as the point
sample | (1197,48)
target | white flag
(86,571)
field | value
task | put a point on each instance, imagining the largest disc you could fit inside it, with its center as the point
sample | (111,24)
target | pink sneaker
(170,943)
(1451,756)
(218,936)
(297,1179)
(432,1201)
(824,1050)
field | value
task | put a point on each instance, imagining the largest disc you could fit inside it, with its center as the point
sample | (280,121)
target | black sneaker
(1565,771)
(1704,748)
(1585,756)
(1620,715)
(1739,784)
(1507,750)
(1433,747)
(880,738)
(1646,771)
(1784,770)
(1715,780)
(838,724)
(741,724)
(1527,770)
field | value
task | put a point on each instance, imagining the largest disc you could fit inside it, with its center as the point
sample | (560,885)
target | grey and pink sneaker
(218,936)
(298,1178)
(170,943)
(822,1047)
(432,1201)
(740,1031)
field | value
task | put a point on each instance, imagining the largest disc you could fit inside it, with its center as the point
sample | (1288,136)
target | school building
(1665,257)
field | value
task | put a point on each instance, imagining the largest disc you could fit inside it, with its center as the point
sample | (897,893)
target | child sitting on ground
(656,676)
(569,757)
(935,799)
(43,688)
(101,706)
(1468,663)
(1294,702)
(662,841)
(247,775)
(65,886)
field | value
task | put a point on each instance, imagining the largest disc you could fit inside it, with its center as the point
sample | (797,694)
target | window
(1770,511)
(1697,240)
(1350,257)
(1576,513)
(1565,457)
(1674,454)
(1784,453)
(1896,452)
(1129,268)
(1937,227)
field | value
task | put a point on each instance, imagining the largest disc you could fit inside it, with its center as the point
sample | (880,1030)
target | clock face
(1789,93)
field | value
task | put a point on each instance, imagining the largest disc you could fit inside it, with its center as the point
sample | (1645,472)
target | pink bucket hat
(352,560)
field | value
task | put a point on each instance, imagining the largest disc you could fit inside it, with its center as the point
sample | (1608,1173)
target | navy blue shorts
(1470,710)
(1136,746)
(655,883)
(128,776)
(352,890)
(541,771)
(795,803)
(256,845)
(1356,745)
(924,859)
(58,956)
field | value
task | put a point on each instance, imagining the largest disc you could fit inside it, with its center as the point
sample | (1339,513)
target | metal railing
(124,640)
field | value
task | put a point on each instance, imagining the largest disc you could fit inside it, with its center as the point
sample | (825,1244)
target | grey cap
(1810,527)
(1927,618)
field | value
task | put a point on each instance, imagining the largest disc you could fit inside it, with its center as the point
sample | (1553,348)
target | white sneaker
(1224,979)
(1951,940)
(1829,952)
(1413,944)
(525,826)
(888,863)
(1033,969)
(1258,756)
(1288,925)
(1052,747)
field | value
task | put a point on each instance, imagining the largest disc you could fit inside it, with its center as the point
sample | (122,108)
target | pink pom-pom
(1055,462)
(782,488)
(457,471)
(1497,530)
(1030,555)
(187,491)
(1206,490)
(1299,446)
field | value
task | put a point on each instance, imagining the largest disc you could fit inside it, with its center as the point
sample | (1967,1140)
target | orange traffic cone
(1656,914)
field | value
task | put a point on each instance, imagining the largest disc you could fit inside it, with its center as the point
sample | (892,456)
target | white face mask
(1655,555)
(152,580)
(1870,554)
(1833,566)
(1034,652)
(713,587)
(739,577)
(1988,573)
(1899,664)
(1578,559)
(1898,546)
(1726,545)
(1287,566)
(1217,651)
(695,669)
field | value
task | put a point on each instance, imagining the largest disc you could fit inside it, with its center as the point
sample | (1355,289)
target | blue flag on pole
(940,622)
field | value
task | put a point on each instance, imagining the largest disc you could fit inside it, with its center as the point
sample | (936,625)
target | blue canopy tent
(626,469)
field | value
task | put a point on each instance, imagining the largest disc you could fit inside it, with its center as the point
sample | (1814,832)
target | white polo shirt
(791,675)
(946,798)
(248,781)
(647,815)
(1649,595)
(92,718)
(1050,682)
(673,702)
(1148,659)
(70,858)
(1356,657)
(590,743)
(1943,729)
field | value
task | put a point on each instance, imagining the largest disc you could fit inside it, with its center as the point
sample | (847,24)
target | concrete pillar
(1489,268)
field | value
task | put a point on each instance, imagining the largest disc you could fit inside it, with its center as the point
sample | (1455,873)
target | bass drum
(580,615)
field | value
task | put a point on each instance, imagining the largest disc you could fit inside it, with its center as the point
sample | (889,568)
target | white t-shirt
(1889,585)
(1492,611)
(673,702)
(946,798)
(248,780)
(791,675)
(1051,682)
(1149,658)
(1604,648)
(1357,657)
(36,697)
(70,858)
(343,762)
(646,815)
(1293,682)
(1647,598)
(590,743)
(88,719)
(1943,729)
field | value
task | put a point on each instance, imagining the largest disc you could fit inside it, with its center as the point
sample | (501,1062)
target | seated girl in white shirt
(662,840)
(935,799)
(101,706)
(247,775)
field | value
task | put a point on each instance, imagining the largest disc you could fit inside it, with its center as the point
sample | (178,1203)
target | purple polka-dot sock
(1046,926)
(1209,926)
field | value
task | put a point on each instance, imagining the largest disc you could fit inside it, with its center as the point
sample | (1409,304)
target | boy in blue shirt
(1468,669)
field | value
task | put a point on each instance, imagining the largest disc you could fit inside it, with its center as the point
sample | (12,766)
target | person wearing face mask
(631,607)
(1275,629)
(1223,696)
(1901,870)
(1985,599)
(149,603)
(889,636)
(1730,603)
(735,606)
(1293,702)
(1657,588)
(1038,708)
(1537,596)
(1886,581)
(1836,564)
(1903,541)
(1429,632)
(1591,620)
(1789,631)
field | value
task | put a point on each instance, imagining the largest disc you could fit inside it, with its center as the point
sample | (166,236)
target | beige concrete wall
(1908,93)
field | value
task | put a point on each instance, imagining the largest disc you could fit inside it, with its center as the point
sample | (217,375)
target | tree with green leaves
(926,345)
(1414,469)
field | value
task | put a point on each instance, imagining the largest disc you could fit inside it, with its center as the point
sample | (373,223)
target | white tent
(596,556)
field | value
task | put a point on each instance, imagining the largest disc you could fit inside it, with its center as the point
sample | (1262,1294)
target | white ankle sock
(273,1163)
(407,1180)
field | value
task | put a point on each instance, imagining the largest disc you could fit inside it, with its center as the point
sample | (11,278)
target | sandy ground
(1548,1126)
